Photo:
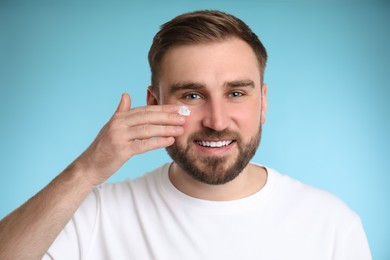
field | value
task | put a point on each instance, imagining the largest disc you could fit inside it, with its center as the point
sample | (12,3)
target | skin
(220,84)
(28,232)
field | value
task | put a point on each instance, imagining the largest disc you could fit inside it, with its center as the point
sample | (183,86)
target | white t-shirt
(148,218)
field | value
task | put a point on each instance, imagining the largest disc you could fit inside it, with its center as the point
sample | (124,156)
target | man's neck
(249,181)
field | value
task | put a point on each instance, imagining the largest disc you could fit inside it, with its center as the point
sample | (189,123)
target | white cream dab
(184,111)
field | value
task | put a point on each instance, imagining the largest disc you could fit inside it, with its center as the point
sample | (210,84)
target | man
(210,202)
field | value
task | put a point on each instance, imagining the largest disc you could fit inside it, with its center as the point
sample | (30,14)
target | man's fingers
(157,114)
(145,145)
(150,117)
(158,108)
(152,131)
(124,104)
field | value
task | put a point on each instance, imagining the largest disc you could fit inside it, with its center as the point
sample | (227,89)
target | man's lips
(214,144)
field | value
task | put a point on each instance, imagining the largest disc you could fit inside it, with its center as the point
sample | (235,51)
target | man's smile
(214,144)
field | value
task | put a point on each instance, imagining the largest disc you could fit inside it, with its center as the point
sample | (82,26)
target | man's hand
(28,232)
(129,132)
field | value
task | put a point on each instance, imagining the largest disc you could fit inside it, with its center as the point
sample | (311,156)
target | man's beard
(214,170)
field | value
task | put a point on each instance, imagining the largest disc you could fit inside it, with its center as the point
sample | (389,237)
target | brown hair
(201,27)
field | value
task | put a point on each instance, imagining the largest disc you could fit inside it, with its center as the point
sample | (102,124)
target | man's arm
(28,232)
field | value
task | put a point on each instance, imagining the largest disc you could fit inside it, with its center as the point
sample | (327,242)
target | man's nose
(216,115)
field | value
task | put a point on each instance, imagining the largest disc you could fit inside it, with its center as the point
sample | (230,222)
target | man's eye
(192,96)
(236,94)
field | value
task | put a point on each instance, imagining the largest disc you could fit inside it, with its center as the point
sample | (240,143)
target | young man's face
(220,83)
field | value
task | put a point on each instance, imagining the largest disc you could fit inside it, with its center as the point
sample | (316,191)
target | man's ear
(263,103)
(151,97)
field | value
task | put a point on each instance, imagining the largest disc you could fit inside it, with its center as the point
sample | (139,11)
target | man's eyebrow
(240,83)
(197,86)
(185,86)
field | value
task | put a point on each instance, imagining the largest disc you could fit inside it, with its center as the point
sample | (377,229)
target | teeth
(214,144)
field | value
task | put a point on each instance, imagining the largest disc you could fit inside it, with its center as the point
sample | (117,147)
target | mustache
(212,134)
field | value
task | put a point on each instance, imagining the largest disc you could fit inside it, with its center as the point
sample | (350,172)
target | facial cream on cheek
(184,111)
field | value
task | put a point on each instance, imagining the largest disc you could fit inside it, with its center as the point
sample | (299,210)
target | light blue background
(63,66)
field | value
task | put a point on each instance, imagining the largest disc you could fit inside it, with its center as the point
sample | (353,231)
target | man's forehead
(205,44)
(216,55)
(220,63)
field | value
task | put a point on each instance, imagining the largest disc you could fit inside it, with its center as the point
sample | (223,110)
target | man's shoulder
(307,197)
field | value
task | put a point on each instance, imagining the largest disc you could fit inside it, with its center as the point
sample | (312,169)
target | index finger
(154,115)
(158,108)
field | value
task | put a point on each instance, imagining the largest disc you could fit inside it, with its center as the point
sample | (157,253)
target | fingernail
(179,129)
(174,108)
(181,118)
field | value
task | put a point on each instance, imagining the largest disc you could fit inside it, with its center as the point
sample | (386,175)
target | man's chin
(215,171)
(213,168)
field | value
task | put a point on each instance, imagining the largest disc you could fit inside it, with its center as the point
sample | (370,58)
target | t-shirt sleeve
(354,244)
(74,241)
